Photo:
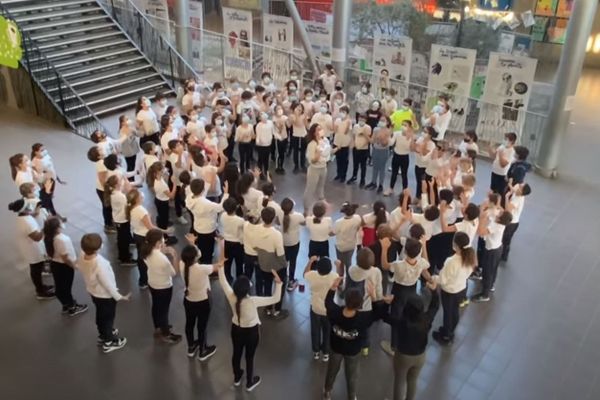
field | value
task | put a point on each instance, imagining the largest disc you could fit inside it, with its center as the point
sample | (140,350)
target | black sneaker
(441,339)
(109,229)
(292,285)
(65,310)
(480,298)
(171,338)
(379,189)
(296,170)
(129,263)
(361,185)
(191,350)
(351,181)
(47,295)
(116,344)
(371,186)
(254,382)
(207,353)
(144,287)
(237,381)
(475,276)
(77,309)
(115,332)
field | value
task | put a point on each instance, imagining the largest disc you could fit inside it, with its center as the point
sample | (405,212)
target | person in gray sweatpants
(318,152)
(380,153)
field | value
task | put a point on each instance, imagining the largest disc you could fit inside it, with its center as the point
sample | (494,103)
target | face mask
(374,106)
(506,143)
(365,90)
(147,102)
(323,99)
(226,112)
(338,88)
(212,133)
(245,119)
(292,88)
(195,118)
(264,117)
(220,95)
(361,123)
(267,80)
(338,102)
(31,203)
(293,77)
(45,153)
(323,110)
(280,112)
(308,97)
(163,103)
(382,124)
(405,106)
(235,86)
(437,109)
(342,115)
(317,92)
(252,84)
(293,98)
(440,103)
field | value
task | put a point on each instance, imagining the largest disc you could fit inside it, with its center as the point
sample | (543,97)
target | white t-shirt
(422,160)
(198,281)
(137,225)
(251,198)
(325,121)
(431,227)
(268,238)
(319,286)
(311,151)
(453,277)
(100,167)
(166,137)
(441,124)
(319,232)
(464,148)
(264,133)
(401,143)
(118,203)
(517,202)
(291,237)
(406,274)
(99,277)
(160,270)
(178,170)
(24,177)
(468,227)
(206,214)
(149,122)
(493,239)
(160,187)
(150,159)
(63,246)
(345,230)
(232,228)
(250,237)
(509,155)
(278,211)
(32,252)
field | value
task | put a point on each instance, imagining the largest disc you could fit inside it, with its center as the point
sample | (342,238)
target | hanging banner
(196,26)
(394,55)
(320,37)
(278,34)
(158,13)
(451,72)
(10,43)
(506,94)
(237,27)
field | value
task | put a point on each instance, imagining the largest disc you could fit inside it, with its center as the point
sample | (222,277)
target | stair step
(65,32)
(144,87)
(73,50)
(123,103)
(80,70)
(46,5)
(111,74)
(93,57)
(57,14)
(81,38)
(106,86)
(62,22)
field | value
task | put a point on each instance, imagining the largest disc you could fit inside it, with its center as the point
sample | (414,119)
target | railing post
(30,69)
(140,31)
(60,94)
(171,64)
(112,7)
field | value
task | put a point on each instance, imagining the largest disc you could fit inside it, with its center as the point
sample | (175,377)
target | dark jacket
(517,171)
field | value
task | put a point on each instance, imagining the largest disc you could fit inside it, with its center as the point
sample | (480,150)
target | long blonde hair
(133,196)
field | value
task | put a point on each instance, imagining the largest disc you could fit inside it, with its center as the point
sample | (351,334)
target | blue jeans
(379,157)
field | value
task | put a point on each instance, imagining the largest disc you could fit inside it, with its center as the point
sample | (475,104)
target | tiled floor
(538,339)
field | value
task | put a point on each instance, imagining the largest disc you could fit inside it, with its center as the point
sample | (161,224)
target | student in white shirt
(307,103)
(21,170)
(100,283)
(118,204)
(298,121)
(329,78)
(151,152)
(162,194)
(96,156)
(191,98)
(491,229)
(515,200)
(342,141)
(268,190)
(250,195)
(345,230)
(146,122)
(43,167)
(422,147)
(318,153)
(439,117)
(280,121)
(265,131)
(323,118)
(59,249)
(160,104)
(320,277)
(196,300)
(179,160)
(290,227)
(469,145)
(360,149)
(231,227)
(401,142)
(320,228)
(30,244)
(245,324)
(244,134)
(504,155)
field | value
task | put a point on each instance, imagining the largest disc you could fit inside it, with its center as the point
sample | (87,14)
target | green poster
(477,85)
(10,43)
(538,31)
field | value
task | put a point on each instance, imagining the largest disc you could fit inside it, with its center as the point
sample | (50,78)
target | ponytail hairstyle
(51,229)
(268,189)
(139,104)
(165,121)
(122,120)
(35,148)
(348,209)
(153,173)
(133,196)
(380,213)
(462,245)
(185,178)
(189,256)
(287,206)
(152,237)
(241,288)
(319,210)
(109,188)
(244,183)
(15,161)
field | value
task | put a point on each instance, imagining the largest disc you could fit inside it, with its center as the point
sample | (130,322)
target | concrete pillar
(567,77)
(291,6)
(182,23)
(342,12)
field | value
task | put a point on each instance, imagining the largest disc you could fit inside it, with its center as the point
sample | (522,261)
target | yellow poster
(546,7)
(245,4)
(565,7)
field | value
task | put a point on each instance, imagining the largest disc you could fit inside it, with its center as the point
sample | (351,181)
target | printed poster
(505,95)
(506,43)
(237,27)
(158,11)
(196,26)
(451,73)
(320,36)
(522,46)
(538,31)
(394,55)
(278,34)
(565,8)
(245,4)
(546,7)
(557,31)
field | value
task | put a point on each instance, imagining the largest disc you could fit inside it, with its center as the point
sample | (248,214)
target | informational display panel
(237,27)
(278,34)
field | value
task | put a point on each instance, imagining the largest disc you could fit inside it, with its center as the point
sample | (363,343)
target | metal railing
(48,79)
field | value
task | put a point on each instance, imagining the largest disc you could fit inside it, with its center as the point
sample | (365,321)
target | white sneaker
(388,192)
(182,220)
(315,356)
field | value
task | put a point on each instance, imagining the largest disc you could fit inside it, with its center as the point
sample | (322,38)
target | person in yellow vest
(404,113)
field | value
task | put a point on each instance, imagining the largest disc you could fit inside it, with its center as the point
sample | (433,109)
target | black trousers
(179,201)
(63,281)
(106,210)
(130,161)
(250,264)
(490,259)
(35,273)
(342,157)
(430,182)
(319,249)
(264,282)
(206,244)
(498,184)
(123,240)
(359,160)
(245,341)
(196,318)
(399,162)
(161,300)
(263,158)
(46,199)
(245,150)
(450,305)
(439,248)
(291,255)
(162,213)
(419,176)
(509,232)
(106,310)
(281,149)
(299,147)
(234,252)
(142,267)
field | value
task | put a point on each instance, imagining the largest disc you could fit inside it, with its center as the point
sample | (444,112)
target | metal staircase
(82,59)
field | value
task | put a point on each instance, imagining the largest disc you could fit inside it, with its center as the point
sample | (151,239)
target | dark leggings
(196,317)
(106,310)
(319,249)
(35,272)
(399,162)
(245,150)
(130,161)
(263,158)
(106,210)
(123,241)
(161,300)
(234,252)
(250,264)
(341,158)
(162,213)
(63,281)
(142,267)
(245,341)
(206,245)
(299,147)
(359,160)
(419,175)
(281,149)
(450,304)
(291,255)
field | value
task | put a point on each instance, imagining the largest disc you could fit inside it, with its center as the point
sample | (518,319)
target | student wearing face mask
(388,103)
(400,142)
(404,113)
(342,140)
(146,122)
(322,101)
(267,82)
(422,147)
(191,98)
(295,77)
(318,153)
(324,120)
(265,131)
(503,157)
(360,150)
(281,124)
(308,103)
(299,123)
(247,107)
(363,100)
(244,134)
(329,78)
(439,117)
(380,153)
(160,104)
(339,90)
(374,114)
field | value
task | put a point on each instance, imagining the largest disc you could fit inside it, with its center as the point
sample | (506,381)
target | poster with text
(506,43)
(394,55)
(320,37)
(237,27)
(522,46)
(158,14)
(451,73)
(505,95)
(278,38)
(538,30)
(196,26)
(546,7)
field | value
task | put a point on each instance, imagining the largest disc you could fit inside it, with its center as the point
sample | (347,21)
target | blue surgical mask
(342,115)
(437,109)
(361,123)
(382,124)
(323,110)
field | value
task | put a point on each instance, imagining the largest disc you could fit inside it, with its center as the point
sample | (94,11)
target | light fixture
(588,46)
(596,48)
